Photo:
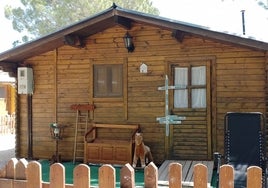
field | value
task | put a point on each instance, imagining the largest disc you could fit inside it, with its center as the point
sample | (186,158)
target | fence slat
(20,184)
(6,183)
(20,169)
(175,175)
(200,176)
(34,175)
(254,177)
(150,176)
(81,176)
(106,176)
(127,176)
(3,172)
(57,176)
(10,168)
(226,177)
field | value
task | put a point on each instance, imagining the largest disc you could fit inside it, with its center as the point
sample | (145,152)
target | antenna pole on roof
(243,21)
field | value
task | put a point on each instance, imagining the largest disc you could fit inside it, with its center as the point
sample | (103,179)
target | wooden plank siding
(64,77)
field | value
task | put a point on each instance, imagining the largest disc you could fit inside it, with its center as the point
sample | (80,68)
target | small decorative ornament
(143,68)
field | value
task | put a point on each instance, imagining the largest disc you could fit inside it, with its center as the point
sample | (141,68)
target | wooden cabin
(88,63)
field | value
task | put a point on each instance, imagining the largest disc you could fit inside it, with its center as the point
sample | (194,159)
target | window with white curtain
(194,80)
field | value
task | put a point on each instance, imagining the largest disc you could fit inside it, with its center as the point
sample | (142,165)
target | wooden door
(192,138)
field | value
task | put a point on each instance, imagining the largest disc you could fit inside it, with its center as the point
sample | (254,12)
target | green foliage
(263,4)
(41,17)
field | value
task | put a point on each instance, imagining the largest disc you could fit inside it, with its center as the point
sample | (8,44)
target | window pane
(3,91)
(116,80)
(108,80)
(181,76)
(199,95)
(181,96)
(100,81)
(199,75)
(199,98)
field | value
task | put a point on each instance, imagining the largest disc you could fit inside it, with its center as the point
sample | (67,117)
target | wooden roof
(118,16)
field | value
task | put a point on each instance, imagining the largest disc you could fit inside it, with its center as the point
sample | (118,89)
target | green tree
(263,3)
(41,17)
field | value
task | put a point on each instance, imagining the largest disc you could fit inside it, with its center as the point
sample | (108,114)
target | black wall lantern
(128,40)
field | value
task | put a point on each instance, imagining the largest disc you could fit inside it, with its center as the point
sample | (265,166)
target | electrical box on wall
(25,80)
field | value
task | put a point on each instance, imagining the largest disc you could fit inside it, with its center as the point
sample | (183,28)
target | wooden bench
(110,144)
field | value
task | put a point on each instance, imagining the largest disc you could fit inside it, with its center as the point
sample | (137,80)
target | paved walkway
(7,148)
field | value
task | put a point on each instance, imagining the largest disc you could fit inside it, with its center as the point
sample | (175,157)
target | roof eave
(56,39)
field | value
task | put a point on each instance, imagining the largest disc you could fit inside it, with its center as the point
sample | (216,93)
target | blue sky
(218,15)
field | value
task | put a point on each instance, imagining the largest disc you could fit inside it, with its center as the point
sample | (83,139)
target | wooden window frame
(189,87)
(180,62)
(121,100)
(108,81)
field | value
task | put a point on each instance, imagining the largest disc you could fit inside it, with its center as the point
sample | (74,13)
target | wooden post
(57,176)
(150,176)
(20,171)
(8,174)
(254,177)
(106,176)
(10,168)
(127,177)
(34,175)
(175,175)
(200,176)
(226,176)
(81,176)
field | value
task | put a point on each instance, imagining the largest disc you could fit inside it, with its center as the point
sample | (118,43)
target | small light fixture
(56,132)
(128,40)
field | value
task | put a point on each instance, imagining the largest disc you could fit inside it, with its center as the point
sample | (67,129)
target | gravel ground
(7,148)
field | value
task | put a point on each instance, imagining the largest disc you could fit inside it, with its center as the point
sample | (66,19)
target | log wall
(64,77)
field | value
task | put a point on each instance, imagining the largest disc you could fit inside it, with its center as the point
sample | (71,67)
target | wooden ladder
(81,126)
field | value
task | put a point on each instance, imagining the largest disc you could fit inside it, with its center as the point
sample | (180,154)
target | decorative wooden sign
(169,119)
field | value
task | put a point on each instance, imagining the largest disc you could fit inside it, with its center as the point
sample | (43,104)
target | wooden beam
(178,35)
(73,40)
(11,68)
(8,67)
(125,22)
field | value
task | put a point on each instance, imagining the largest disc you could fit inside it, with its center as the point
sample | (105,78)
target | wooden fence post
(150,176)
(127,176)
(34,175)
(20,174)
(175,175)
(200,176)
(254,177)
(57,176)
(226,177)
(10,168)
(106,176)
(81,176)
(20,171)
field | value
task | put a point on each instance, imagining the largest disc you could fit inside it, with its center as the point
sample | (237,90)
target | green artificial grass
(69,166)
